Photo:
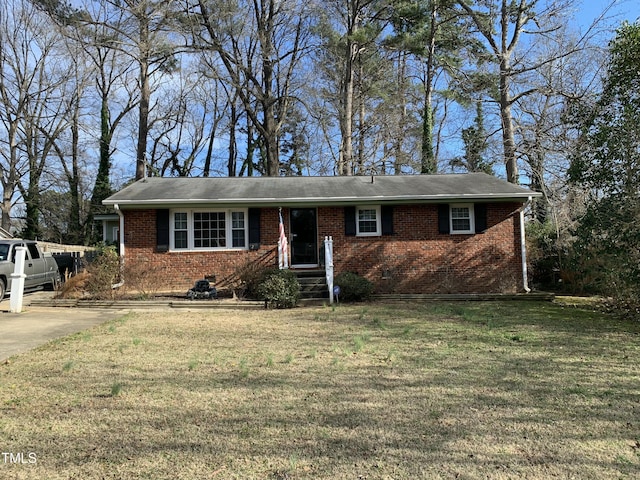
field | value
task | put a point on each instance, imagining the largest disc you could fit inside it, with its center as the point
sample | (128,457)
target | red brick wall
(184,268)
(415,259)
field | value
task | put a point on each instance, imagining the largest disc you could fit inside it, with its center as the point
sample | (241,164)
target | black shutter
(254,228)
(443,218)
(350,221)
(480,214)
(162,230)
(387,220)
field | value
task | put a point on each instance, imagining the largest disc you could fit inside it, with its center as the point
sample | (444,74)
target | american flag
(283,248)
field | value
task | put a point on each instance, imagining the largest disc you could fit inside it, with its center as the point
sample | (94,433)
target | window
(461,218)
(180,230)
(209,230)
(368,221)
(238,230)
(33,250)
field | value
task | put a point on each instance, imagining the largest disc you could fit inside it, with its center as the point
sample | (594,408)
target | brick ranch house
(449,233)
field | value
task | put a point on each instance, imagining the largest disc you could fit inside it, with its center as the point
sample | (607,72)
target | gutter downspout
(523,249)
(116,207)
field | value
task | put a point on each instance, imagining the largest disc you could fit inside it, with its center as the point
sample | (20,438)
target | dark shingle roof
(290,191)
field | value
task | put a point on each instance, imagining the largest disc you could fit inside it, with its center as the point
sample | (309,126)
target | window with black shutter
(462,218)
(254,228)
(350,221)
(162,230)
(387,220)
(480,213)
(443,218)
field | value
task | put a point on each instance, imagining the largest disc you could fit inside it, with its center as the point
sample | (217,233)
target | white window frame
(378,231)
(228,224)
(172,234)
(472,227)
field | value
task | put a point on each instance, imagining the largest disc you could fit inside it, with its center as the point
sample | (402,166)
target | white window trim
(378,231)
(190,234)
(472,227)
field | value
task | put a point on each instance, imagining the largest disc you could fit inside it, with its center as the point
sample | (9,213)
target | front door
(304,242)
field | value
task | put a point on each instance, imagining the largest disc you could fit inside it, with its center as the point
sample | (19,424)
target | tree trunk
(398,135)
(233,154)
(102,186)
(428,163)
(10,182)
(513,17)
(362,127)
(508,140)
(345,162)
(145,95)
(75,224)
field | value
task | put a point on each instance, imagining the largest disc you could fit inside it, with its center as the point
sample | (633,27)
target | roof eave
(323,201)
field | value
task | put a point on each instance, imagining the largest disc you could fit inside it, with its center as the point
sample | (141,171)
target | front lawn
(472,390)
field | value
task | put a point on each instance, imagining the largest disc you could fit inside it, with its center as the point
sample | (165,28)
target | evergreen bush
(279,289)
(353,287)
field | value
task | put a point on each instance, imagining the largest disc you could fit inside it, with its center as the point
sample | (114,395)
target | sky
(615,11)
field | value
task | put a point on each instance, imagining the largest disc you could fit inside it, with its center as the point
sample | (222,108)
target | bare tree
(503,24)
(188,115)
(545,136)
(72,182)
(34,108)
(349,30)
(138,34)
(260,44)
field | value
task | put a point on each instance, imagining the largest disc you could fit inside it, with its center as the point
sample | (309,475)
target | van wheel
(3,289)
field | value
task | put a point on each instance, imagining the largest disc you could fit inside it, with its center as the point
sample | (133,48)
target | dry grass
(475,390)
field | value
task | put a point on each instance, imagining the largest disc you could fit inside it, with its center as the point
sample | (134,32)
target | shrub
(353,287)
(74,287)
(143,280)
(279,289)
(249,277)
(103,272)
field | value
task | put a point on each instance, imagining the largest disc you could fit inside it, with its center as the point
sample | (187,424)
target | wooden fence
(71,259)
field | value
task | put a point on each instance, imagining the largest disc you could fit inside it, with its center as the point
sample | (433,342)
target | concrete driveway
(37,325)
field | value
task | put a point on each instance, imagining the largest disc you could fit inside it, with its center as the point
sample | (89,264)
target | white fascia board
(323,201)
